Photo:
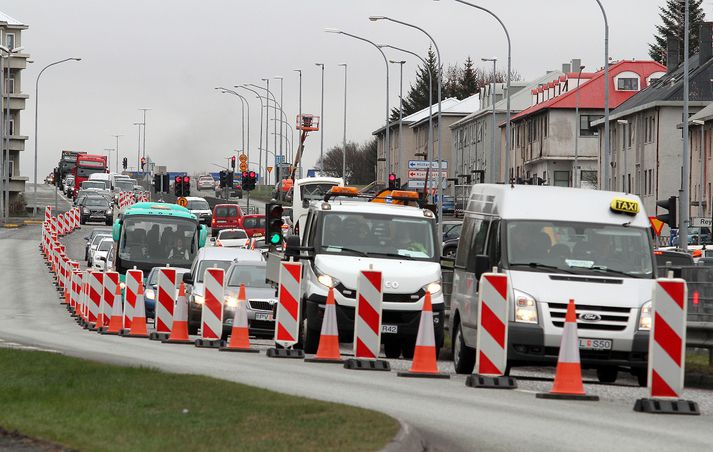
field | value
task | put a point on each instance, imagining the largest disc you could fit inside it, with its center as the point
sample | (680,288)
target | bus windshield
(158,240)
(579,248)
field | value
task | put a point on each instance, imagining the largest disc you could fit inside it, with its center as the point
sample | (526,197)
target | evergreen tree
(417,97)
(468,82)
(672,18)
(451,79)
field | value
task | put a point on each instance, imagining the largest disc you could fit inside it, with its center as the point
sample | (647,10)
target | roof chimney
(673,53)
(706,42)
(566,68)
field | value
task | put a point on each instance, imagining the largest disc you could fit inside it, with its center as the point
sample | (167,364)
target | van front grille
(606,318)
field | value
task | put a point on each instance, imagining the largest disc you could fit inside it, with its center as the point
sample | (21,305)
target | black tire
(392,348)
(642,377)
(408,346)
(607,374)
(463,356)
(193,328)
(108,222)
(82,220)
(311,341)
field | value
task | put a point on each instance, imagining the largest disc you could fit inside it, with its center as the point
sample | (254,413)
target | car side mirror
(102,258)
(86,237)
(187,278)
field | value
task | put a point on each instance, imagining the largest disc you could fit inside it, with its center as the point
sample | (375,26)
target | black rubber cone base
(207,343)
(105,331)
(485,381)
(367,364)
(664,406)
(424,375)
(550,395)
(154,336)
(177,341)
(314,359)
(285,353)
(127,333)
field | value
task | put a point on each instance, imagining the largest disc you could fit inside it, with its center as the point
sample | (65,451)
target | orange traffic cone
(568,377)
(328,351)
(239,335)
(424,357)
(138,322)
(179,328)
(116,319)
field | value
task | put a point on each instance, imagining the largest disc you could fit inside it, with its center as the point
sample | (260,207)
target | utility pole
(321,116)
(117,151)
(401,116)
(344,136)
(684,204)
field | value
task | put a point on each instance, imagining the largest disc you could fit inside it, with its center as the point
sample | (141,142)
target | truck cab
(557,244)
(343,236)
(306,190)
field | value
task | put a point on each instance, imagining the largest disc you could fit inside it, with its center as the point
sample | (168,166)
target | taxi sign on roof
(623,205)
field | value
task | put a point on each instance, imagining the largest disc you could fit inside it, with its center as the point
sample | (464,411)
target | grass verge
(90,406)
(698,363)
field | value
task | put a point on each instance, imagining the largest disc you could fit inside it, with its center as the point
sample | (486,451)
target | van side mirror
(482,265)
(292,248)
(187,278)
(305,204)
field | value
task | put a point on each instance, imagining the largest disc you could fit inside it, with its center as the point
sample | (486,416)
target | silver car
(261,297)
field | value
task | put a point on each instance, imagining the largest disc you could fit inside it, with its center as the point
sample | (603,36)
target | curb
(11,225)
(33,221)
(406,440)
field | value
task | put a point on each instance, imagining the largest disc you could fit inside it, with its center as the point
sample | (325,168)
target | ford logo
(589,317)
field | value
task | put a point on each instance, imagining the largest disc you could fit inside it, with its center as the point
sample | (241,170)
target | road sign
(183,202)
(243,158)
(243,166)
(269,169)
(423,164)
(279,159)
(701,222)
(431,183)
(656,224)
(421,174)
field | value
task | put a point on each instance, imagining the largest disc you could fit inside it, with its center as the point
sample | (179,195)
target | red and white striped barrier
(133,279)
(76,288)
(48,213)
(76,215)
(667,350)
(96,290)
(165,303)
(367,323)
(212,313)
(492,334)
(111,281)
(287,321)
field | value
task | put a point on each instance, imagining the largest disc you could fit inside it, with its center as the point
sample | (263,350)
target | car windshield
(232,235)
(152,279)
(378,235)
(226,211)
(675,259)
(166,240)
(95,201)
(254,223)
(83,171)
(124,184)
(250,275)
(97,239)
(205,264)
(198,204)
(581,248)
(452,231)
(105,245)
(314,192)
(93,184)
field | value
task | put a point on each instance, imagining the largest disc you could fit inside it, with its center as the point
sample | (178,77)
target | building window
(11,127)
(585,128)
(10,40)
(627,84)
(588,179)
(547,123)
(9,85)
(561,179)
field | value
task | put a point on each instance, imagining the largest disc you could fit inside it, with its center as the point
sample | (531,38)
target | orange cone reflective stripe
(329,336)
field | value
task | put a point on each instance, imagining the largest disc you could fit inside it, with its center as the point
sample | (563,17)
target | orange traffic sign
(269,169)
(183,202)
(243,166)
(657,225)
(243,158)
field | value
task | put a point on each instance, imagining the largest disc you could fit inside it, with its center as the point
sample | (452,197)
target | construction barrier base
(485,381)
(105,330)
(177,341)
(207,343)
(159,336)
(91,326)
(324,360)
(285,353)
(664,406)
(224,348)
(424,375)
(551,395)
(367,364)
(127,333)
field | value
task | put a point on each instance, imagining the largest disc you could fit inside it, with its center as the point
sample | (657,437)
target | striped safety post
(77,222)
(367,323)
(48,213)
(96,292)
(212,312)
(165,303)
(492,334)
(111,282)
(667,350)
(287,321)
(132,281)
(73,270)
(76,287)
(83,298)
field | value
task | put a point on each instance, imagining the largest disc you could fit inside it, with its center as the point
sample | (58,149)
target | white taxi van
(557,244)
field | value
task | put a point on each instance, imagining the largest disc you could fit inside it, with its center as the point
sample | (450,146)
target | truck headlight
(433,287)
(645,318)
(150,294)
(525,308)
(326,280)
(200,299)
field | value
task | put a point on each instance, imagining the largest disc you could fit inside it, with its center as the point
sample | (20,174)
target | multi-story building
(645,131)
(13,143)
(545,135)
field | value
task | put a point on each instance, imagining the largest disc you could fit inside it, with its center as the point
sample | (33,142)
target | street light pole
(117,151)
(321,115)
(607,144)
(387,146)
(243,102)
(267,127)
(344,131)
(575,176)
(684,204)
(401,115)
(37,94)
(281,79)
(299,167)
(492,126)
(261,109)
(138,152)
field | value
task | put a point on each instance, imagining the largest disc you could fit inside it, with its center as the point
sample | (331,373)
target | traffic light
(223,179)
(392,181)
(124,163)
(178,186)
(186,186)
(669,218)
(273,225)
(229,179)
(232,162)
(143,163)
(249,180)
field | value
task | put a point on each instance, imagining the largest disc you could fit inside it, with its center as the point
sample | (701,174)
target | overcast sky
(169,55)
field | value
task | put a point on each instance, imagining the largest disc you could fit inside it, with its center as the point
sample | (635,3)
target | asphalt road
(451,415)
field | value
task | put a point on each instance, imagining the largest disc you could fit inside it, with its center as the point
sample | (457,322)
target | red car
(253,224)
(225,216)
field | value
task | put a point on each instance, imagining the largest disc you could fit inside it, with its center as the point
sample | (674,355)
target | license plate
(389,329)
(263,316)
(595,344)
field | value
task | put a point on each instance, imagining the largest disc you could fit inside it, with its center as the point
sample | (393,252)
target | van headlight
(200,299)
(433,287)
(231,301)
(645,319)
(150,294)
(326,280)
(525,308)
